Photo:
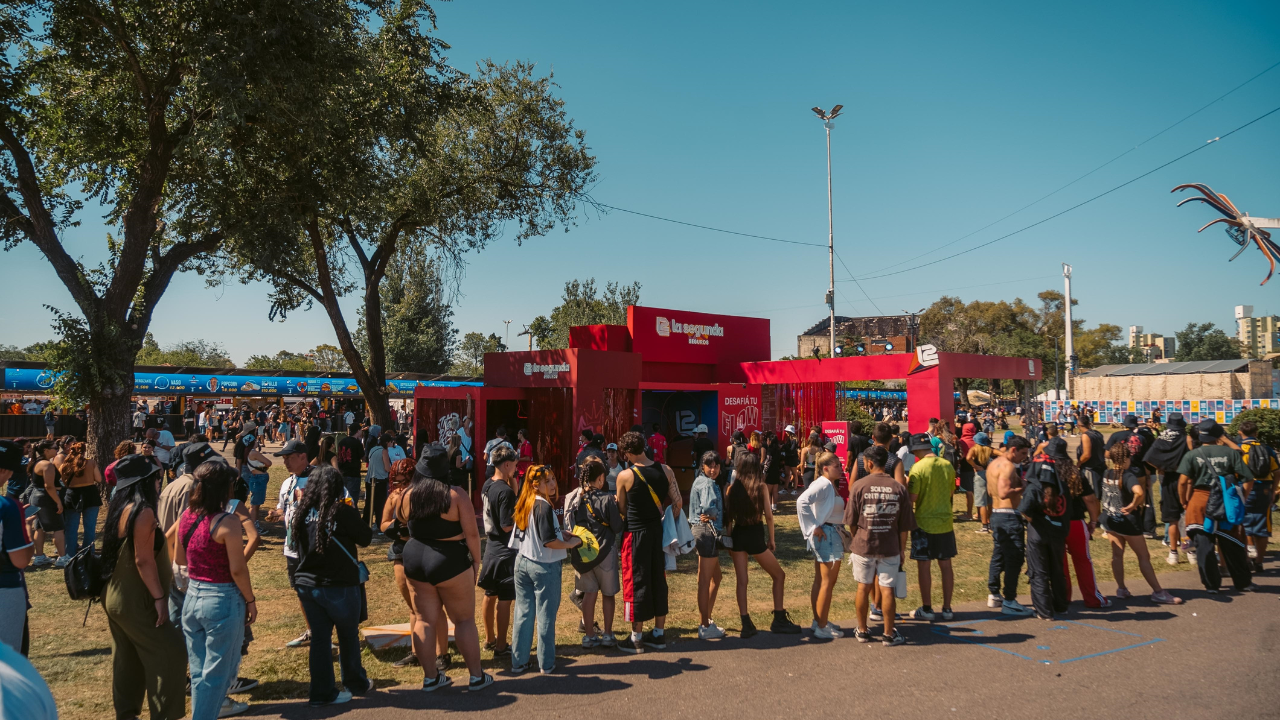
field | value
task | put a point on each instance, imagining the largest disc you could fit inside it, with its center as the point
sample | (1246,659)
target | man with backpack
(1211,478)
(591,512)
(1261,461)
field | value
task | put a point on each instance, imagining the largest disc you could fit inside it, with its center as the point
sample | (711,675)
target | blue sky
(955,115)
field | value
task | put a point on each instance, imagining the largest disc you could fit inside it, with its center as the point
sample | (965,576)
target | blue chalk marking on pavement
(1108,652)
(1097,627)
(1042,647)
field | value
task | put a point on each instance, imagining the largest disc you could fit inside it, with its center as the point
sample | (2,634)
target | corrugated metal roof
(1173,368)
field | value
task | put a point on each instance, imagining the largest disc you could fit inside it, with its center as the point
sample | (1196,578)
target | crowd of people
(180,531)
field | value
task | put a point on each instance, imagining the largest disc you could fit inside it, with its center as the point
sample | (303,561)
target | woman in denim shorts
(820,510)
(706,515)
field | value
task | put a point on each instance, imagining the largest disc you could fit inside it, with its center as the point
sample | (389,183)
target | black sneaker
(406,661)
(782,624)
(439,681)
(627,645)
(240,685)
(657,642)
(502,652)
(895,638)
(443,662)
(863,636)
(748,627)
(484,681)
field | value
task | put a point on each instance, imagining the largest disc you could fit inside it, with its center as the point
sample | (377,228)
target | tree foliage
(1268,421)
(1205,342)
(283,360)
(123,109)
(188,353)
(469,358)
(582,304)
(417,321)
(409,153)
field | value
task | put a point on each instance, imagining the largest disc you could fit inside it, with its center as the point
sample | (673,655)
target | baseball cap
(293,446)
(701,428)
(1008,435)
(611,446)
(921,441)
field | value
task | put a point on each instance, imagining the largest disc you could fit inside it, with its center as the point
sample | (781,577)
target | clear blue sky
(955,115)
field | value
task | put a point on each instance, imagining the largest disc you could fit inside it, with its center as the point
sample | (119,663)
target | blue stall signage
(26,380)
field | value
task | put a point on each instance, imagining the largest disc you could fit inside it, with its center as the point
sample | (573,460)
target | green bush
(1268,421)
(855,411)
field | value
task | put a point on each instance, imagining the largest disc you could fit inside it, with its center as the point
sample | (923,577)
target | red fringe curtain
(801,404)
(551,431)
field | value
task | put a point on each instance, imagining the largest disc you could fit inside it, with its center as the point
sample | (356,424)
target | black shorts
(435,561)
(773,477)
(48,518)
(927,546)
(643,572)
(498,572)
(291,567)
(1170,504)
(750,539)
(966,481)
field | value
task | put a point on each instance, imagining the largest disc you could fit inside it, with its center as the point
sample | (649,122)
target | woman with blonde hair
(820,510)
(542,550)
(1124,497)
(82,498)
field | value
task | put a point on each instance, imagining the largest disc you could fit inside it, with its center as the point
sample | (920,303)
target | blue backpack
(1225,508)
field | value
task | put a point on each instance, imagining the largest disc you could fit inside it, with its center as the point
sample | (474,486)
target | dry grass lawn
(76,661)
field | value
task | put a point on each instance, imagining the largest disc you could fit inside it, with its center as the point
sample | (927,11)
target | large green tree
(468,360)
(1203,341)
(118,109)
(413,154)
(583,304)
(188,353)
(417,327)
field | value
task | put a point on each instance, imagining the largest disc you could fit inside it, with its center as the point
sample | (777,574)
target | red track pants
(1078,554)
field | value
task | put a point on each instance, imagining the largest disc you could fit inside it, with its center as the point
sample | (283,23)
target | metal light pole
(1071,360)
(828,119)
(1057,392)
(508,340)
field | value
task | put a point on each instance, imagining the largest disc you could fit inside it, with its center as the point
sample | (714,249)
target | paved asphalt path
(1135,660)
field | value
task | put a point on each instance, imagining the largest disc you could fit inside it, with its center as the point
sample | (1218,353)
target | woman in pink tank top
(219,600)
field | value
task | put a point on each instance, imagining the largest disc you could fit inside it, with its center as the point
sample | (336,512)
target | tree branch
(131,55)
(162,272)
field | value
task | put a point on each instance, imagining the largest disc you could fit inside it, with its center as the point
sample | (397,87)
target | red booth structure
(679,369)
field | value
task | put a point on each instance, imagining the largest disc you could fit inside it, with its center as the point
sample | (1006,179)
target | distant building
(1258,336)
(880,335)
(1154,345)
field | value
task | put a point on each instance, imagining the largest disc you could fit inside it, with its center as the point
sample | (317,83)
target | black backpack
(1257,458)
(83,575)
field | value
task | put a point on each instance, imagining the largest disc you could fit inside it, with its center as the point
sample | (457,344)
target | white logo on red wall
(549,372)
(697,334)
(743,419)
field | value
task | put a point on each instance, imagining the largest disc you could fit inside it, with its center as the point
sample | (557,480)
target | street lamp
(507,342)
(828,119)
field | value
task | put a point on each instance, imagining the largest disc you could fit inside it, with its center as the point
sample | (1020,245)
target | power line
(911,294)
(1079,204)
(1096,169)
(713,229)
(864,291)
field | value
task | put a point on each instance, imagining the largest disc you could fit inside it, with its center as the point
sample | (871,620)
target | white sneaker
(234,707)
(41,560)
(590,641)
(1013,607)
(994,601)
(875,613)
(1253,552)
(710,632)
(62,562)
(1191,556)
(827,633)
(1173,557)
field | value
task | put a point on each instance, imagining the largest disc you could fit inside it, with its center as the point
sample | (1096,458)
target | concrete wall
(1255,383)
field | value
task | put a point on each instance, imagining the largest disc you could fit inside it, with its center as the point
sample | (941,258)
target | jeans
(537,589)
(353,486)
(213,616)
(1008,552)
(71,519)
(330,608)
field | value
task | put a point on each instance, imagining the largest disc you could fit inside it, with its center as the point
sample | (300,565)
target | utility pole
(1072,360)
(828,123)
(913,328)
(507,341)
(1057,386)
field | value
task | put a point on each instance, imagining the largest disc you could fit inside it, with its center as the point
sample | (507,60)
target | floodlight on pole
(827,118)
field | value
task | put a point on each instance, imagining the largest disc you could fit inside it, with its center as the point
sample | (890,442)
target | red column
(929,395)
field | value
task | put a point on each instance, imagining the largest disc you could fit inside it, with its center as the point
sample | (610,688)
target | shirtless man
(1008,532)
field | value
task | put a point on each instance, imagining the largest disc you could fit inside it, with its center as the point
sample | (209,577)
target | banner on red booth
(837,431)
(739,409)
(680,336)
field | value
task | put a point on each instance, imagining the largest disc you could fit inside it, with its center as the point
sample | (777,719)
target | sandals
(1164,598)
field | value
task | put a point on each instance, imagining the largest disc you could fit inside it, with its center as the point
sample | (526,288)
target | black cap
(10,455)
(1131,421)
(132,469)
(193,454)
(921,441)
(433,462)
(1057,448)
(1176,420)
(293,446)
(1209,427)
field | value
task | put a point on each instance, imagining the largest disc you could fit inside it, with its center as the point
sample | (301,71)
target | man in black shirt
(593,449)
(350,454)
(701,444)
(497,576)
(858,441)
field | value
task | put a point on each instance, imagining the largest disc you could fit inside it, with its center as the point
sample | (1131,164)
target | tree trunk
(109,424)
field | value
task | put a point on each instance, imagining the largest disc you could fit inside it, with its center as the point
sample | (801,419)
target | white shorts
(867,569)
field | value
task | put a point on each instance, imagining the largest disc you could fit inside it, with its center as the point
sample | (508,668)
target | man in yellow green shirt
(932,483)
